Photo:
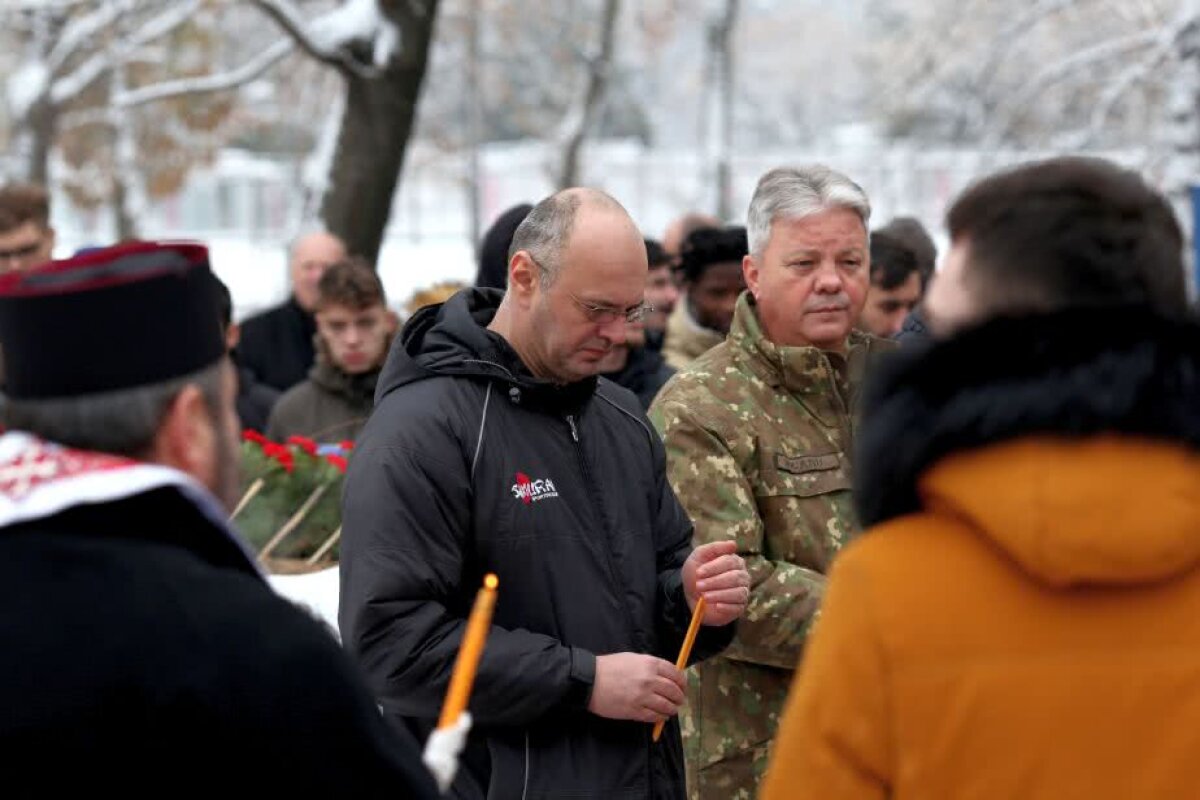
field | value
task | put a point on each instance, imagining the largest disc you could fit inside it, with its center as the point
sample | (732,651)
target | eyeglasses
(603,315)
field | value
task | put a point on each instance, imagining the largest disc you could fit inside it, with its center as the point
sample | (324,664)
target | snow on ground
(316,592)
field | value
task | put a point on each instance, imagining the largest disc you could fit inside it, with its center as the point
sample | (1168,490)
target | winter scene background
(407,126)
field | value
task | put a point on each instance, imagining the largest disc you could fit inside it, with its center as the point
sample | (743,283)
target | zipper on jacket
(598,507)
(525,785)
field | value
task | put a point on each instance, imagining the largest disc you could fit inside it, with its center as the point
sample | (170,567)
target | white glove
(443,748)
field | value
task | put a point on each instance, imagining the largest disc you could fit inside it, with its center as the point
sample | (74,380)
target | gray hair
(546,230)
(794,192)
(123,422)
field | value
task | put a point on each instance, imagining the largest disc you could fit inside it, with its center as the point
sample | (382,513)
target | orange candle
(469,652)
(685,652)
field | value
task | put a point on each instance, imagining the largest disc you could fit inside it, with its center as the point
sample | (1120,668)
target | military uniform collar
(801,370)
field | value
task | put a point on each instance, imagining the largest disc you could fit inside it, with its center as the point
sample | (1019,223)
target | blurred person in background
(354,329)
(254,399)
(26,238)
(431,296)
(633,363)
(1020,620)
(661,294)
(136,624)
(913,235)
(682,227)
(494,249)
(897,285)
(711,268)
(277,345)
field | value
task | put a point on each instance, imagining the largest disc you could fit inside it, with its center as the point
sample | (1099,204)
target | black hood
(452,340)
(1073,374)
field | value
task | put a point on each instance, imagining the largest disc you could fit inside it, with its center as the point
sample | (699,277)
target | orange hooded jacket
(1032,631)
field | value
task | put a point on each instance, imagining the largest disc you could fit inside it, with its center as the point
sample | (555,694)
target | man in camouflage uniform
(758,433)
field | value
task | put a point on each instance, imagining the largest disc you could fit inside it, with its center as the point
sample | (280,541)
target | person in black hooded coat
(493,251)
(470,464)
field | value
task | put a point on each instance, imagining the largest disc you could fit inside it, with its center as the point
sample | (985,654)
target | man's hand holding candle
(717,573)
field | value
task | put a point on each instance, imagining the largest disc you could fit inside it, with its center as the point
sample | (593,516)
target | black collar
(1074,373)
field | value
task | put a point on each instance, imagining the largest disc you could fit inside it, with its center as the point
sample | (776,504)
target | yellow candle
(469,652)
(685,652)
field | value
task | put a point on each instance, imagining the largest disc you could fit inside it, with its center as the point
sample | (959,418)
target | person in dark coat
(662,293)
(634,364)
(354,327)
(912,235)
(493,251)
(494,448)
(254,400)
(144,654)
(277,345)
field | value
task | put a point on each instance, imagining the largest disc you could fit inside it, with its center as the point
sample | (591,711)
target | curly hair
(708,246)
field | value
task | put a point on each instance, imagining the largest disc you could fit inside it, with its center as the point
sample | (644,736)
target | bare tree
(581,116)
(381,49)
(1066,74)
(86,73)
(722,46)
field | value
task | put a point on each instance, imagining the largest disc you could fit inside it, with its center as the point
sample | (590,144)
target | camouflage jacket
(687,339)
(758,438)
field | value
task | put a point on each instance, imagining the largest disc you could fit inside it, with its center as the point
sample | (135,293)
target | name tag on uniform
(798,465)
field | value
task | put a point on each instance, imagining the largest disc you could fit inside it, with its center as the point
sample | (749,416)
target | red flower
(346,444)
(305,444)
(249,435)
(286,460)
(337,461)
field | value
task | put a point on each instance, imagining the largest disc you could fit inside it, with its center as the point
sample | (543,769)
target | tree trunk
(40,128)
(580,119)
(474,114)
(727,94)
(376,124)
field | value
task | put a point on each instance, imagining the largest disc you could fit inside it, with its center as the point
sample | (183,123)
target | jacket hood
(452,339)
(1070,440)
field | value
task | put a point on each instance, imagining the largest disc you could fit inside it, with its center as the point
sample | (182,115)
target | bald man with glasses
(494,447)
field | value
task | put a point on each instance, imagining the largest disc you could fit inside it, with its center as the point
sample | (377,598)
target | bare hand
(715,572)
(636,687)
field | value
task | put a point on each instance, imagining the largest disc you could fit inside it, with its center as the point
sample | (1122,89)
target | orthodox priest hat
(117,318)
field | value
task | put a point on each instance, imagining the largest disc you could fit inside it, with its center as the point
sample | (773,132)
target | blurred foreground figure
(143,653)
(1021,620)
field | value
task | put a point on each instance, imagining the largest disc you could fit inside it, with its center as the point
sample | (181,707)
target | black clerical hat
(117,318)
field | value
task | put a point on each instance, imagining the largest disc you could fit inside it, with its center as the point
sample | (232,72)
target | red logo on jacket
(530,491)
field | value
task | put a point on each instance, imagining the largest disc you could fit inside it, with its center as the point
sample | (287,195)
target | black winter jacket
(277,345)
(470,465)
(144,657)
(644,374)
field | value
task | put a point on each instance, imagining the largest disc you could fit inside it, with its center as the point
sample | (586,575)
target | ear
(750,271)
(392,320)
(186,439)
(51,237)
(523,275)
(233,335)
